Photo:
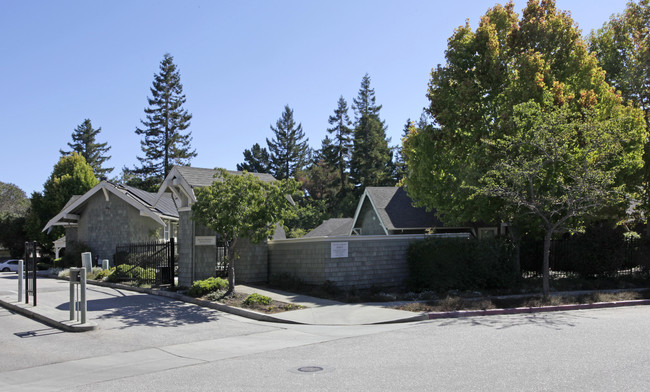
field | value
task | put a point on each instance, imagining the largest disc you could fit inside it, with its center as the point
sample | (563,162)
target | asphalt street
(187,348)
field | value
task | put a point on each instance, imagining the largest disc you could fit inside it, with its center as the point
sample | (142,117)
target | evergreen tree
(166,142)
(256,160)
(84,143)
(371,163)
(289,151)
(400,161)
(339,148)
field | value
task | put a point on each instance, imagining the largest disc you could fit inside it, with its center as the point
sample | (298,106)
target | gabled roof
(182,180)
(395,210)
(147,203)
(198,177)
(331,228)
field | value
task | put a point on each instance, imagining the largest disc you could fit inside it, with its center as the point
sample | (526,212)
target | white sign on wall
(206,240)
(339,250)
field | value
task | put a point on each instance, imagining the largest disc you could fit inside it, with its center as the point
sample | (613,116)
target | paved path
(53,306)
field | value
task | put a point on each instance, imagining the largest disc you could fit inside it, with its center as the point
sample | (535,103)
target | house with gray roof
(390,211)
(111,214)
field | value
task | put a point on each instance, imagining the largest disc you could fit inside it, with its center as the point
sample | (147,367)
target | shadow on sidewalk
(146,310)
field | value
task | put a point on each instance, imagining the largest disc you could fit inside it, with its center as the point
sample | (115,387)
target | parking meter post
(21,266)
(83,304)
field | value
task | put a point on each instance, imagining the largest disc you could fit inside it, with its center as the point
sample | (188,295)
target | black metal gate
(221,267)
(146,263)
(30,271)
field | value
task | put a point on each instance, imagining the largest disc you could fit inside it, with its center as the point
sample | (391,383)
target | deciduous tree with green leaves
(506,61)
(242,207)
(557,167)
(622,47)
(84,143)
(166,140)
(70,176)
(13,209)
(541,58)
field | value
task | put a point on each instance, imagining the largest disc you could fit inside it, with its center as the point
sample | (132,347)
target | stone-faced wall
(198,262)
(371,261)
(185,247)
(104,225)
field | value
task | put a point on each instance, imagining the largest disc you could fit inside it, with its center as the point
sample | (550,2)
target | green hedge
(202,287)
(444,264)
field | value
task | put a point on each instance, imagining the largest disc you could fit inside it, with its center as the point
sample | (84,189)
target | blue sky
(240,63)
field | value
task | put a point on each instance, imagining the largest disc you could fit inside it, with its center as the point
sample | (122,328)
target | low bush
(100,274)
(202,287)
(257,299)
(444,264)
(130,273)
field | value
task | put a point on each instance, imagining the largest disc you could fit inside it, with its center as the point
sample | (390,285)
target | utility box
(87,261)
(105,264)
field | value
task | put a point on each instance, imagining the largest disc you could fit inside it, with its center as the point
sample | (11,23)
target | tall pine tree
(256,160)
(166,142)
(371,163)
(289,151)
(84,143)
(340,146)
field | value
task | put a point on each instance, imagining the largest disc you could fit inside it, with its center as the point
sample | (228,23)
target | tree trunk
(231,268)
(545,266)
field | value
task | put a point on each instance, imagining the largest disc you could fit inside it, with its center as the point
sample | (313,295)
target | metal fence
(587,258)
(146,263)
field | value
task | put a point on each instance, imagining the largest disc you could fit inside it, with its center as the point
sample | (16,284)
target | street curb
(206,304)
(540,309)
(37,314)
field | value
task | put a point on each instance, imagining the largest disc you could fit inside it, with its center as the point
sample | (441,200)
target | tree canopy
(84,143)
(557,167)
(70,176)
(166,140)
(288,149)
(256,160)
(506,61)
(622,47)
(13,201)
(242,207)
(371,161)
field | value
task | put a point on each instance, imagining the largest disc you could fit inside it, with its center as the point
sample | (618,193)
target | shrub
(101,274)
(257,299)
(443,264)
(72,257)
(127,272)
(202,287)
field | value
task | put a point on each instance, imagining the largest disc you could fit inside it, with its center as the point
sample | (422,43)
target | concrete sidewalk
(53,305)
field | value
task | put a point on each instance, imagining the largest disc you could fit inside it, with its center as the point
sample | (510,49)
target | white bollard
(105,264)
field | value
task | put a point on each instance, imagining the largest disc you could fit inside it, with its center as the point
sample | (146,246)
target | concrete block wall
(372,260)
(300,258)
(252,265)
